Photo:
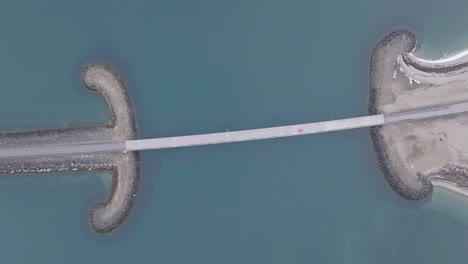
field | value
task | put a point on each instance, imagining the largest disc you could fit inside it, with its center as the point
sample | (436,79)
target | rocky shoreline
(384,58)
(106,215)
(414,155)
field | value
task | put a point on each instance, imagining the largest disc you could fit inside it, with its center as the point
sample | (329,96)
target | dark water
(207,66)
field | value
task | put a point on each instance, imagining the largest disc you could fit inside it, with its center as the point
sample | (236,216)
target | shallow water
(207,66)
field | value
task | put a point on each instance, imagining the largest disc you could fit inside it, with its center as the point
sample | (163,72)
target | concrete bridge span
(233,136)
(254,134)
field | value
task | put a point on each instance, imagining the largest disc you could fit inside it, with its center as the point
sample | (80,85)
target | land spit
(104,215)
(416,155)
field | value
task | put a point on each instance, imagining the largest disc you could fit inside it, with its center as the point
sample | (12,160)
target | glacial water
(208,66)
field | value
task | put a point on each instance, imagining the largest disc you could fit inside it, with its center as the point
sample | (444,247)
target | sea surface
(200,66)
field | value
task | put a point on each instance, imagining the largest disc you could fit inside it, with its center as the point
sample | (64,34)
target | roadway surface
(234,136)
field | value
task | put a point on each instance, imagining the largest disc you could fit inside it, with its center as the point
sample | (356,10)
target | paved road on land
(54,150)
(234,136)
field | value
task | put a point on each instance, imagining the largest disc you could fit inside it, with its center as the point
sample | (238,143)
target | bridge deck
(234,136)
(254,134)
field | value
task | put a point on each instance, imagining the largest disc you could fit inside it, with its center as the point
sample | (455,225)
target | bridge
(232,136)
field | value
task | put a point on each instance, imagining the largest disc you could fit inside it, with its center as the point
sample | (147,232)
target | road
(54,150)
(234,136)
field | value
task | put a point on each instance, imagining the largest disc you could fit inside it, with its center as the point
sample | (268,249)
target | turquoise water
(207,66)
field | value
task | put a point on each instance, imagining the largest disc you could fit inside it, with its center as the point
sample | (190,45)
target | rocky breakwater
(416,155)
(106,215)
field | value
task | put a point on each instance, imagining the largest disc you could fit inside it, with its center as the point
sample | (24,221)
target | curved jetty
(415,155)
(125,167)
